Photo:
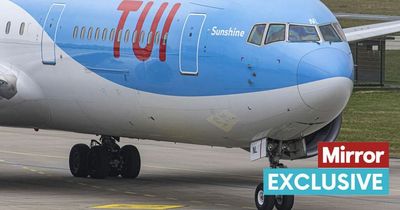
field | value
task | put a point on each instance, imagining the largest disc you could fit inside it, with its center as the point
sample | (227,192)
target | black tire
(78,160)
(284,202)
(263,202)
(114,172)
(99,162)
(130,162)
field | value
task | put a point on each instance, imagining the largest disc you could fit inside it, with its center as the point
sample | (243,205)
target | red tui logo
(143,54)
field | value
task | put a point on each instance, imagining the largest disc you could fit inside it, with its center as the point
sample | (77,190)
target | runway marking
(173,199)
(195,201)
(130,193)
(149,195)
(34,170)
(222,204)
(2,161)
(31,154)
(138,206)
(247,207)
(29,169)
(83,184)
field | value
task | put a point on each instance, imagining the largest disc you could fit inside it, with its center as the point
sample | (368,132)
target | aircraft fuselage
(180,71)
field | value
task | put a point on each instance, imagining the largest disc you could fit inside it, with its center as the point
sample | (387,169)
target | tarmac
(356,16)
(34,174)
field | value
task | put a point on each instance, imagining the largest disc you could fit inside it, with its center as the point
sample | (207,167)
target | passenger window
(75,33)
(164,40)
(329,33)
(157,38)
(97,34)
(90,32)
(83,31)
(134,37)
(119,35)
(105,32)
(299,33)
(142,37)
(8,27)
(276,33)
(21,29)
(257,34)
(127,35)
(149,37)
(112,34)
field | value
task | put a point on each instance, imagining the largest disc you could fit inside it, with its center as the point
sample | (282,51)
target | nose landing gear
(104,158)
(263,202)
(284,202)
(267,202)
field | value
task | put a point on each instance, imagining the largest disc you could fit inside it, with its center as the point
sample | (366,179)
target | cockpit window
(340,31)
(276,33)
(257,34)
(329,33)
(300,33)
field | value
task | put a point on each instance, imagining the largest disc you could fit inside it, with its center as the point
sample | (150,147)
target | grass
(392,72)
(380,7)
(373,116)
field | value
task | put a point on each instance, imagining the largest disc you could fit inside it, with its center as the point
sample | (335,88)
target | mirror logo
(343,169)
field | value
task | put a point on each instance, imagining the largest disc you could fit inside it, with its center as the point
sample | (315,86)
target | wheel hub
(260,197)
(279,199)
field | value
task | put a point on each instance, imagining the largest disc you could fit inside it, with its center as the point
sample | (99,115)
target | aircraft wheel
(99,167)
(78,160)
(114,172)
(115,161)
(263,202)
(284,202)
(130,162)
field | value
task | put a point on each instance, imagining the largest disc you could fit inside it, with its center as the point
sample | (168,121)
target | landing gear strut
(267,202)
(104,158)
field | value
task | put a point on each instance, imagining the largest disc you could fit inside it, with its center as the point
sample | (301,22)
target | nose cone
(325,79)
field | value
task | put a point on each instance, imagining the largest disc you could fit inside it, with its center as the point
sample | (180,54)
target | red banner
(353,155)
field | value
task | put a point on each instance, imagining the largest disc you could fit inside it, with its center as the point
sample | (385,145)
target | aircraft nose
(325,79)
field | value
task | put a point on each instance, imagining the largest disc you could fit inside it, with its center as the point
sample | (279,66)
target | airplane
(269,76)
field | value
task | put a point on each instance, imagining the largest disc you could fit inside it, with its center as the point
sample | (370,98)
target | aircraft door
(189,46)
(51,26)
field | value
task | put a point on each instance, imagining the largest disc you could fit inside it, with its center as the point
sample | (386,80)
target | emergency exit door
(190,41)
(49,34)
